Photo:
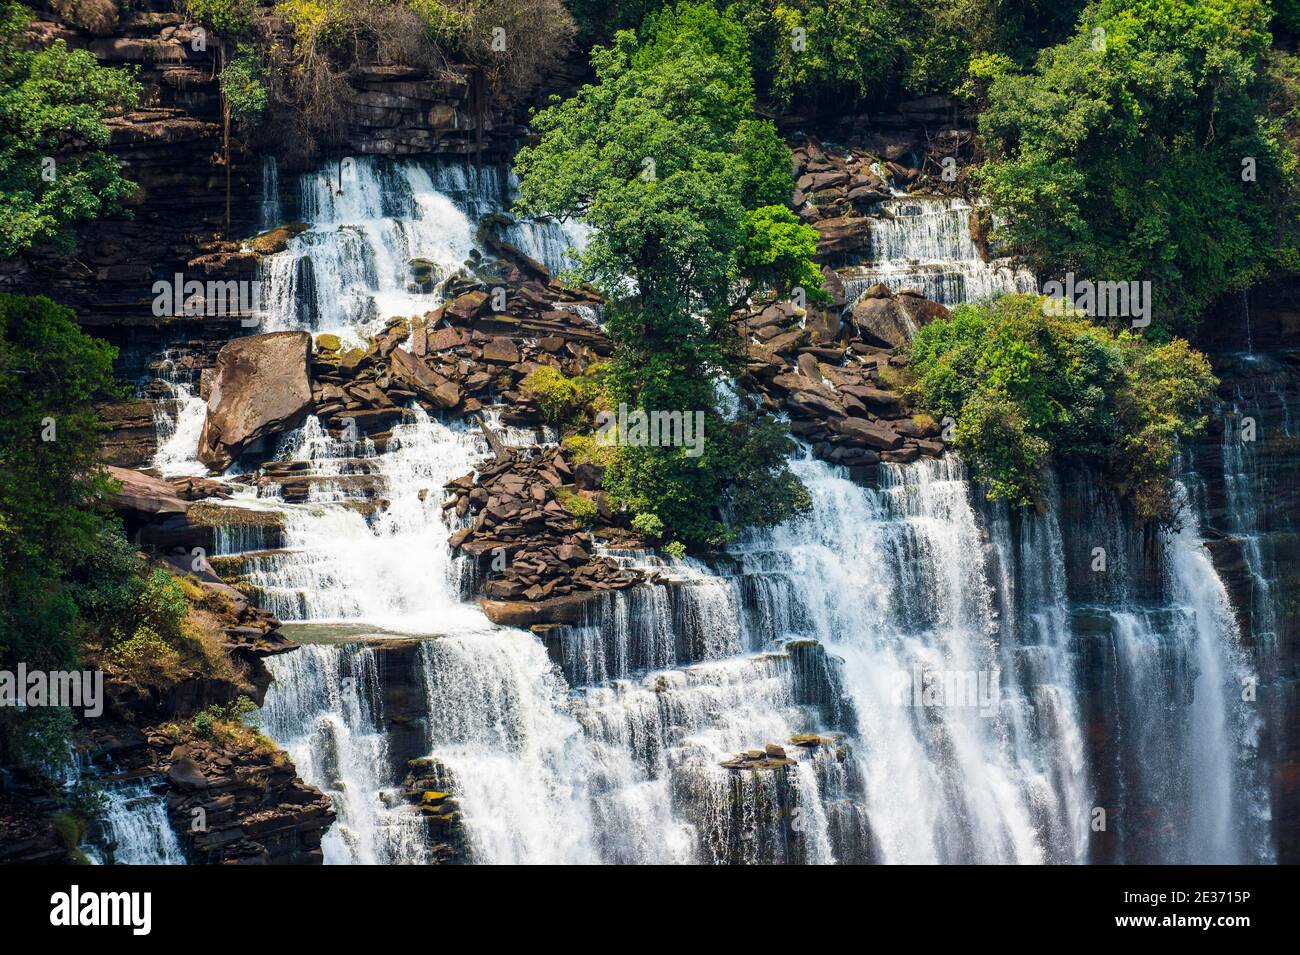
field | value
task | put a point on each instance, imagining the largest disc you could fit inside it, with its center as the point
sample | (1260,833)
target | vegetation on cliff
(54,171)
(1155,144)
(1026,388)
(73,590)
(664,157)
(298,76)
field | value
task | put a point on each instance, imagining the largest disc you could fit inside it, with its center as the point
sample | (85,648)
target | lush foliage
(778,252)
(229,19)
(663,155)
(54,171)
(1027,388)
(825,53)
(50,484)
(243,82)
(1124,154)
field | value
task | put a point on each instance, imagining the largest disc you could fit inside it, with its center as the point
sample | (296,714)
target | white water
(178,423)
(323,710)
(392,570)
(927,245)
(369,220)
(136,826)
(615,756)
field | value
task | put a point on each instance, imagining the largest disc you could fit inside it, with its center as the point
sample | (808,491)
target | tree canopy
(54,170)
(664,157)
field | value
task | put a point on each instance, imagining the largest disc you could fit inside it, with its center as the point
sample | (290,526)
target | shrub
(53,107)
(648,524)
(205,721)
(1027,387)
(229,19)
(560,397)
(583,510)
(675,549)
(243,82)
(147,660)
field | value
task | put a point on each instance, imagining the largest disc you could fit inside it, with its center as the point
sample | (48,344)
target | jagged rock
(423,380)
(871,434)
(259,387)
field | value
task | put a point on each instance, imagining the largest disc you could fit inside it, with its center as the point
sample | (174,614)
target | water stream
(940,684)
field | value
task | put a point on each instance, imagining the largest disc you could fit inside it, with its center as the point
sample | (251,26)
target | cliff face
(172,147)
(1248,459)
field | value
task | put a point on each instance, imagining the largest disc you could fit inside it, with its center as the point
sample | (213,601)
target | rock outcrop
(837,385)
(888,320)
(259,387)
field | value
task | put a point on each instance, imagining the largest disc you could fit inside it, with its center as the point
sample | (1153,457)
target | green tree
(1141,149)
(52,487)
(54,171)
(1028,388)
(661,155)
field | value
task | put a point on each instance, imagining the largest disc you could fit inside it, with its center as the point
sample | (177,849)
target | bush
(561,398)
(1027,388)
(648,524)
(583,510)
(53,106)
(205,721)
(243,82)
(229,19)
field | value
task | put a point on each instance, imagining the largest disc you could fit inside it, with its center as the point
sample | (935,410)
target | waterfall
(908,673)
(926,243)
(270,209)
(499,725)
(1240,479)
(178,421)
(134,828)
(383,236)
(374,553)
(323,709)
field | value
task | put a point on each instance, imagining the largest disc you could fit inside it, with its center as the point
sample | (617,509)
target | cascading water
(926,243)
(323,709)
(904,675)
(134,829)
(383,236)
(178,421)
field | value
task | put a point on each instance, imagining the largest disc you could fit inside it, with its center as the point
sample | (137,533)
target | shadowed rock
(259,387)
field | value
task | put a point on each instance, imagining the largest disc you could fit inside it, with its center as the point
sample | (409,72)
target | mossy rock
(277,239)
(328,342)
(351,360)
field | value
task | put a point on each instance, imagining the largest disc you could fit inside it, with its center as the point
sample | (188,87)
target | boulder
(842,234)
(260,386)
(871,434)
(411,371)
(882,321)
(144,496)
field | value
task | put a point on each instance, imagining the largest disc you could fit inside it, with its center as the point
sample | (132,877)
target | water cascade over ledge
(907,674)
